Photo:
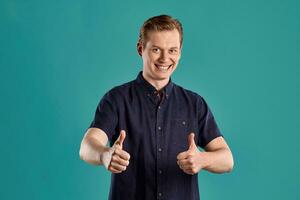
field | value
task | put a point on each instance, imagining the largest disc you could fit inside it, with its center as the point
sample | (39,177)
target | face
(160,55)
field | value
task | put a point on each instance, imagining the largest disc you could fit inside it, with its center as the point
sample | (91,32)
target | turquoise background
(57,59)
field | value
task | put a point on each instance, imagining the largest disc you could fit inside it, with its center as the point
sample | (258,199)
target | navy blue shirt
(157,129)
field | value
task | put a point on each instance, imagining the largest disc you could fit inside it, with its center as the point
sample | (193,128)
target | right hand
(120,158)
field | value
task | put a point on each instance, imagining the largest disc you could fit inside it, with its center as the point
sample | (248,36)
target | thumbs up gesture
(191,161)
(120,158)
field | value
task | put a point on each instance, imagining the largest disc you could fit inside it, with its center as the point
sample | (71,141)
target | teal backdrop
(58,58)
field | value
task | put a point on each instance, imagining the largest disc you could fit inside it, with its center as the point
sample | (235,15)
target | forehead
(163,39)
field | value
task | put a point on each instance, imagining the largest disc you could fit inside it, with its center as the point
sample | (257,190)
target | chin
(162,76)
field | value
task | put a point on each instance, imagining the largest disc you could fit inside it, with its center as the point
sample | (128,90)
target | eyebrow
(161,48)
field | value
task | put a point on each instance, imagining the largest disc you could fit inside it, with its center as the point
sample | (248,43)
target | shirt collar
(151,89)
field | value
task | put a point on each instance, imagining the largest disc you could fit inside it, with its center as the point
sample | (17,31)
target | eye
(173,51)
(155,50)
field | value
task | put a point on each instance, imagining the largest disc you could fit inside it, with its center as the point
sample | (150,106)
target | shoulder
(119,91)
(189,96)
(187,93)
(123,88)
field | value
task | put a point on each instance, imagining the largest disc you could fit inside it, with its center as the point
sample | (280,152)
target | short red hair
(159,23)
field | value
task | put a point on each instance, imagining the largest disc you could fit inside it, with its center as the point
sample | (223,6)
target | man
(155,126)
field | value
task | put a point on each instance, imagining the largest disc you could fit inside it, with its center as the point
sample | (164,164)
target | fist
(120,158)
(190,161)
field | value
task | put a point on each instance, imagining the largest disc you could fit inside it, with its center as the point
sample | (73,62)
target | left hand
(192,160)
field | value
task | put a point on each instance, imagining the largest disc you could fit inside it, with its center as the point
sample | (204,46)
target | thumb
(191,140)
(121,138)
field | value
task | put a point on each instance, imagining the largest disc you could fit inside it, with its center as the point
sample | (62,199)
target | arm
(93,145)
(217,157)
(93,150)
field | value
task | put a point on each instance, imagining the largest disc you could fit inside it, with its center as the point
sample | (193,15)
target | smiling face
(160,56)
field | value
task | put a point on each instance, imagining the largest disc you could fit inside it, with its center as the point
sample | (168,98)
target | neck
(158,84)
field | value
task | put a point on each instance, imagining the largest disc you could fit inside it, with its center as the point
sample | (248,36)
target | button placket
(159,140)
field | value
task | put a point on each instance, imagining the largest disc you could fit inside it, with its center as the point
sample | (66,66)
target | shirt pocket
(181,128)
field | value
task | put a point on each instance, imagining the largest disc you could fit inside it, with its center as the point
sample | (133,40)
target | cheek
(152,58)
(147,58)
(175,59)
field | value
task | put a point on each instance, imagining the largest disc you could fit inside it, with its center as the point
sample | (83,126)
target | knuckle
(118,159)
(117,151)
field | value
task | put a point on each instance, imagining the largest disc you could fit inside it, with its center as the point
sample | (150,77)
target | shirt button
(159,128)
(160,171)
(158,107)
(160,194)
(183,123)
(160,149)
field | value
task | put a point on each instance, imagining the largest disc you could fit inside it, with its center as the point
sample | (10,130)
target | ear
(139,48)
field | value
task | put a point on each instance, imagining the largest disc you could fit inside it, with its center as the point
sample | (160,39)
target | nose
(163,56)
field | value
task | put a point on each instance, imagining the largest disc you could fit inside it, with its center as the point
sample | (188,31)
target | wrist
(105,156)
(204,161)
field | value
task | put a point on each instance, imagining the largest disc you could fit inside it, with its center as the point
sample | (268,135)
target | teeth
(163,68)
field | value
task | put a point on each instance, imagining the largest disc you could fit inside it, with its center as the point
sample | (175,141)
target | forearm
(92,146)
(219,161)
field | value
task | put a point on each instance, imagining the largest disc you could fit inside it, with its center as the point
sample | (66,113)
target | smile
(163,67)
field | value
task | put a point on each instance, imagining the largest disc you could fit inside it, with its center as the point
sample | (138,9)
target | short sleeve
(208,129)
(106,117)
